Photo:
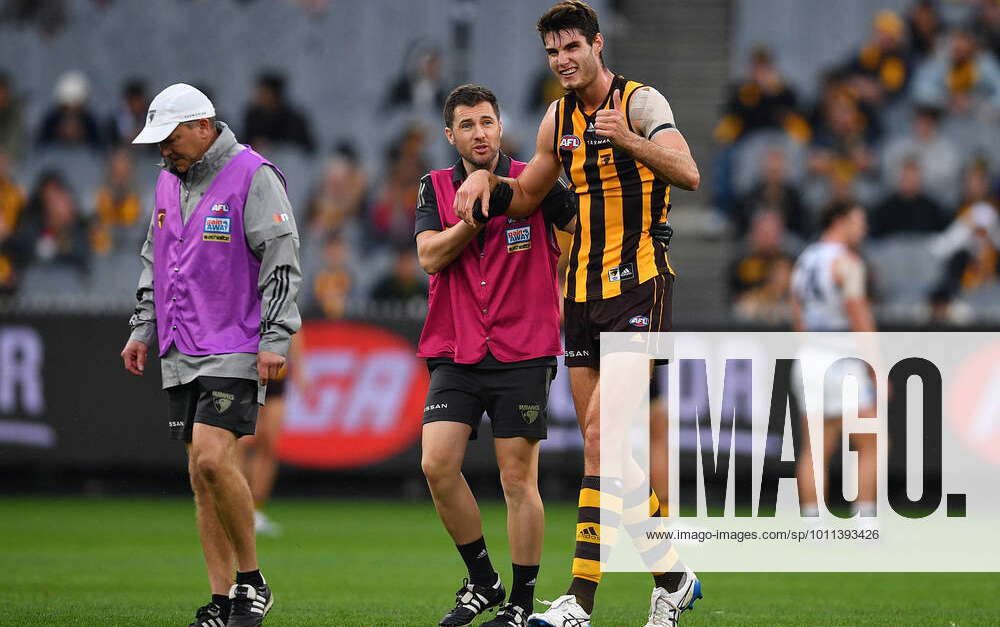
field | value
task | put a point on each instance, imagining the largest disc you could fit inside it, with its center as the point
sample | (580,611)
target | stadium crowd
(907,126)
(90,199)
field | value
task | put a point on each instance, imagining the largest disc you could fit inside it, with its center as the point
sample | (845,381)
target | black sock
(523,591)
(477,560)
(222,600)
(253,577)
(671,582)
(584,590)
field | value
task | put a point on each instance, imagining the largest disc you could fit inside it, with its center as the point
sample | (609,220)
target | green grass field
(347,563)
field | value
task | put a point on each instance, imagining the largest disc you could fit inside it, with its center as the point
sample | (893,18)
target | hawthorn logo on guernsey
(217,230)
(569,142)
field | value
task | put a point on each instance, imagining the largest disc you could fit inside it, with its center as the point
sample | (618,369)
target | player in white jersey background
(829,294)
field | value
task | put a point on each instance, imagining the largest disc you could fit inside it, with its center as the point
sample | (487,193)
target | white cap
(175,104)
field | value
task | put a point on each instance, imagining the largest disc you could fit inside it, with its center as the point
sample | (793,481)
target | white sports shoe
(264,526)
(563,612)
(665,608)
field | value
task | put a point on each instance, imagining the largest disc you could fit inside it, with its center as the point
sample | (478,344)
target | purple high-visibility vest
(204,273)
(502,293)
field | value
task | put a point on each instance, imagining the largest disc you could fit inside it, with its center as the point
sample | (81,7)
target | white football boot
(563,612)
(665,608)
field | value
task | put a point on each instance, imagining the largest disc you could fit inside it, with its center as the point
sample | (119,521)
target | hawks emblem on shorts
(530,413)
(221,400)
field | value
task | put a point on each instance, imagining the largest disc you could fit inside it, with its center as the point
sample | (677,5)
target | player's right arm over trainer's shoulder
(526,192)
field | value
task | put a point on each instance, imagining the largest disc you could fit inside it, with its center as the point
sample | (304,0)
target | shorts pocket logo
(529,413)
(222,400)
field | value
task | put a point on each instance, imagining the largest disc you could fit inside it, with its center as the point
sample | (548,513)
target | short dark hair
(468,96)
(567,15)
(835,211)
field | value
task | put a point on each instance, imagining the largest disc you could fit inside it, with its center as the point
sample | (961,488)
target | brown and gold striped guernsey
(619,199)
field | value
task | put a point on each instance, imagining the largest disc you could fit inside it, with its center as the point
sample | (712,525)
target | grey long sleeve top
(274,242)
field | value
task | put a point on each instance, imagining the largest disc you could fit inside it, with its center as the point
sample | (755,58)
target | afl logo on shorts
(569,142)
(639,321)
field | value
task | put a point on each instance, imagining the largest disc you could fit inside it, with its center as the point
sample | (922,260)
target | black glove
(662,233)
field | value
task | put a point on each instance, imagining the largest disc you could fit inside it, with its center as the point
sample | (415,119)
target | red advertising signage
(356,399)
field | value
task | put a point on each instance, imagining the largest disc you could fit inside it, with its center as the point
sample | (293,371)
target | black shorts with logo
(646,308)
(224,402)
(516,399)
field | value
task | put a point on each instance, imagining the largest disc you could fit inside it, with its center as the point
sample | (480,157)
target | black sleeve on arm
(428,218)
(559,205)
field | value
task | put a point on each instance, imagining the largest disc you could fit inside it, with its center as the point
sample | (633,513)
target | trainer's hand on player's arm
(477,186)
(611,123)
(268,365)
(134,356)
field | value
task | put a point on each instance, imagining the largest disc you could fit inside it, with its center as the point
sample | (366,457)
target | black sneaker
(250,604)
(210,615)
(509,615)
(471,600)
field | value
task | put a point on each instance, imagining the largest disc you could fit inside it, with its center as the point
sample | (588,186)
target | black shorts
(646,308)
(224,402)
(516,399)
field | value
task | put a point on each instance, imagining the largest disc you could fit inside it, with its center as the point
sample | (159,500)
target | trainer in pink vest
(501,294)
(205,276)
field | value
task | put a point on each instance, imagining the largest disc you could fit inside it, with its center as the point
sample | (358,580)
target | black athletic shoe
(210,615)
(509,615)
(250,605)
(471,601)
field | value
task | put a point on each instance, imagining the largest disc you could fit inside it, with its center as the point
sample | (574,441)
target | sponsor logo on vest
(519,238)
(569,142)
(639,321)
(222,400)
(220,207)
(217,229)
(529,413)
(624,272)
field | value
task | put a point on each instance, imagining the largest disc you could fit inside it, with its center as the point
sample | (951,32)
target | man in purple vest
(491,340)
(217,290)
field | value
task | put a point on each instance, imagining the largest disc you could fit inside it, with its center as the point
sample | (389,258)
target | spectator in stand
(52,231)
(925,28)
(130,115)
(761,101)
(769,303)
(341,194)
(119,225)
(987,25)
(976,186)
(965,77)
(844,134)
(11,204)
(751,270)
(70,123)
(908,209)
(880,70)
(419,87)
(393,211)
(11,122)
(970,249)
(333,283)
(271,120)
(405,282)
(939,157)
(776,192)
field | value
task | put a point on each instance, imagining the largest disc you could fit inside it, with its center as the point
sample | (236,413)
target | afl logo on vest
(569,142)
